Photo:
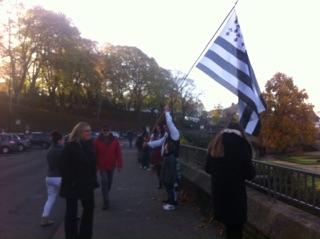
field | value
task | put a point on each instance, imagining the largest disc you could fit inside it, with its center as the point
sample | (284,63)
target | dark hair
(236,126)
(162,131)
(105,127)
(56,136)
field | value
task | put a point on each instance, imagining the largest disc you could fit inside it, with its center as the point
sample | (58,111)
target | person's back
(53,178)
(54,160)
(229,163)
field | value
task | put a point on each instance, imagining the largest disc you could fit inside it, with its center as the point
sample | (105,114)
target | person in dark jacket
(229,164)
(79,179)
(172,136)
(156,158)
(53,179)
(130,137)
(142,136)
(109,158)
(169,175)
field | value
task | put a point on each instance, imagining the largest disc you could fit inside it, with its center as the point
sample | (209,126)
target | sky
(279,35)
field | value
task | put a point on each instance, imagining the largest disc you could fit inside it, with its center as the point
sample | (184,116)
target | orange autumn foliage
(289,122)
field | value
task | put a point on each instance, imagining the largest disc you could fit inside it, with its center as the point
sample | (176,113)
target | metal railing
(298,187)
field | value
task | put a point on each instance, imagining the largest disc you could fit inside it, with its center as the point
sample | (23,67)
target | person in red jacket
(109,158)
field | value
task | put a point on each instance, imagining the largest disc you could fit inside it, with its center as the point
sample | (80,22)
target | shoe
(105,206)
(167,202)
(168,207)
(46,222)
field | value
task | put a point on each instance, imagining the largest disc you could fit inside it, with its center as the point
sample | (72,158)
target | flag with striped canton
(227,62)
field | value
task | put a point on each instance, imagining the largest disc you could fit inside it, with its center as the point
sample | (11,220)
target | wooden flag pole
(157,121)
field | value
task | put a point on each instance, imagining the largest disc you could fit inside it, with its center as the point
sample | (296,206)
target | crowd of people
(72,173)
(161,150)
(73,167)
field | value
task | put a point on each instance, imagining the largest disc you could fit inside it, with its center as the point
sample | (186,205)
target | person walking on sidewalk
(53,179)
(229,164)
(109,158)
(139,144)
(79,179)
(130,137)
(146,151)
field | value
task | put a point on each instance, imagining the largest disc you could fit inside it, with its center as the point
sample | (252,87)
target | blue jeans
(106,183)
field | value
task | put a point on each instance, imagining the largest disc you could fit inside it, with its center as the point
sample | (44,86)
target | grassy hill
(41,119)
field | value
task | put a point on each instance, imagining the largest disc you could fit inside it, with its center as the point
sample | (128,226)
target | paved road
(136,211)
(22,194)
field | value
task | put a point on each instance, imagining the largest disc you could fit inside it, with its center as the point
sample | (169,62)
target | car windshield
(22,136)
(16,137)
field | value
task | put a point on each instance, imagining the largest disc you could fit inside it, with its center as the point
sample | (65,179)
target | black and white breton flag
(227,62)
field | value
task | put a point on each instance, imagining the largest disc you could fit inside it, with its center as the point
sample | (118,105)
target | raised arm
(157,143)
(174,132)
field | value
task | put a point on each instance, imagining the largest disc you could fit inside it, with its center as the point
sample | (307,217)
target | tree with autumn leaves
(289,122)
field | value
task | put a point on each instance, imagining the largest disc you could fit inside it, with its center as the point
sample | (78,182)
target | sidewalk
(135,210)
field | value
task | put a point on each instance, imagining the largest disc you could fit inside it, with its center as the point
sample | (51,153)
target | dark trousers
(106,183)
(172,196)
(157,169)
(72,231)
(145,158)
(140,155)
(234,231)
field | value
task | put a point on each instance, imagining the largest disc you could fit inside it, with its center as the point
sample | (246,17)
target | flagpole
(227,16)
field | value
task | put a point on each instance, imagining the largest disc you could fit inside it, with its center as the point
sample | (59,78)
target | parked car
(7,145)
(25,140)
(116,134)
(21,144)
(40,139)
(94,135)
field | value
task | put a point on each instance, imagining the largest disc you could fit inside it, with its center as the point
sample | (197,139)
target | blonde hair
(216,148)
(77,130)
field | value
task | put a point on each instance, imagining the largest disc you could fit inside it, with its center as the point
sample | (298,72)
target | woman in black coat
(79,179)
(229,164)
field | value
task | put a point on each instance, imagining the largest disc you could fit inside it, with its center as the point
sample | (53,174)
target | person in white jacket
(172,133)
(171,136)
